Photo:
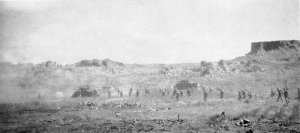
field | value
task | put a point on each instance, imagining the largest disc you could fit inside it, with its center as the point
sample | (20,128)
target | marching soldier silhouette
(298,94)
(243,94)
(130,91)
(188,93)
(249,94)
(137,93)
(205,95)
(109,93)
(121,93)
(239,96)
(279,95)
(286,95)
(221,94)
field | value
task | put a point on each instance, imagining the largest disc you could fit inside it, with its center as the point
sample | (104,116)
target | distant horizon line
(118,62)
(1,61)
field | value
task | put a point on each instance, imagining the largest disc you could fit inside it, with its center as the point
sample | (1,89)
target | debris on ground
(243,123)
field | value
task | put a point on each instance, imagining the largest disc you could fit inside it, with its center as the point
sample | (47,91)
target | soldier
(181,93)
(118,92)
(163,93)
(109,93)
(221,94)
(298,94)
(244,94)
(239,95)
(177,95)
(272,92)
(188,93)
(205,95)
(222,116)
(121,93)
(249,94)
(130,91)
(137,93)
(174,93)
(279,95)
(286,95)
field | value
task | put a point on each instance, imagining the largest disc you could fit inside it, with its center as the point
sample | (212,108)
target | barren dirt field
(150,114)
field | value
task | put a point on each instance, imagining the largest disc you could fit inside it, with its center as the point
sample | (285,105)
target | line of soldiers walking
(120,93)
(137,92)
(179,93)
(283,93)
(243,94)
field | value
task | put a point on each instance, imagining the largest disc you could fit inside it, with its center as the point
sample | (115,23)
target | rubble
(121,105)
(243,123)
(107,65)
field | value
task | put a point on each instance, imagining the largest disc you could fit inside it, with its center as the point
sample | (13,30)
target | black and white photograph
(150,66)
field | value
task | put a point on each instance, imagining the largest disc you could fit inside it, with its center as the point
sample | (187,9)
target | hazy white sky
(141,31)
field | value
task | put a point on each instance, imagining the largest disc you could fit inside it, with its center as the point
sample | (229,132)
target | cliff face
(257,47)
